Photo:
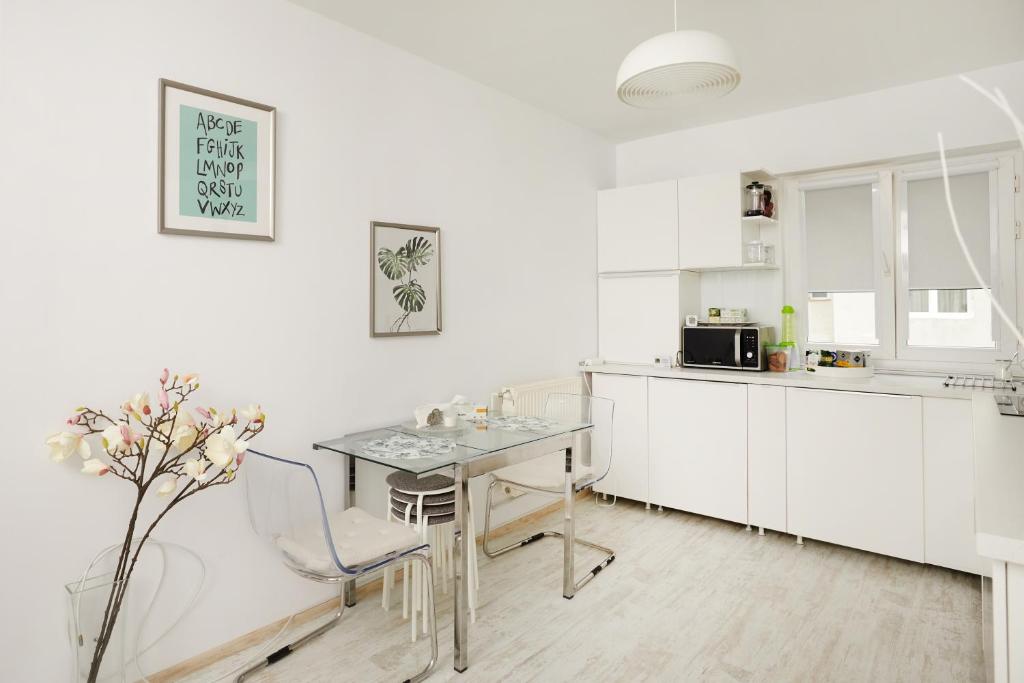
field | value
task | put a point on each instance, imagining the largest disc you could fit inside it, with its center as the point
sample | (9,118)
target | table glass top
(419,450)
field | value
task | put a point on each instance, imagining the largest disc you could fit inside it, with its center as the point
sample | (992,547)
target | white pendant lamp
(676,68)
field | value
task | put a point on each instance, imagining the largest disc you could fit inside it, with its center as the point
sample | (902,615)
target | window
(942,313)
(883,271)
(842,233)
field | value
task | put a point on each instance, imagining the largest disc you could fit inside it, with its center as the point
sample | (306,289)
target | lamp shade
(675,68)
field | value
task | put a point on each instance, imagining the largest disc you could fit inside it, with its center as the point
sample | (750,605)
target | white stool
(428,504)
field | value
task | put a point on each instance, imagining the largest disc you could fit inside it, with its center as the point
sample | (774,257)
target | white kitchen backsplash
(758,291)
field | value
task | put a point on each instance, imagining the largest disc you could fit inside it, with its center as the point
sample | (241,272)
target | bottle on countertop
(788,339)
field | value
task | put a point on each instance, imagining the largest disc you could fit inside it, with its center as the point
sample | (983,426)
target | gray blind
(935,259)
(839,227)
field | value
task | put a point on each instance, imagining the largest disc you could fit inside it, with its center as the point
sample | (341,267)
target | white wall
(94,302)
(887,124)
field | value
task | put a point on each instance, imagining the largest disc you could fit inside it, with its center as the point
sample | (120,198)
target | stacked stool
(428,505)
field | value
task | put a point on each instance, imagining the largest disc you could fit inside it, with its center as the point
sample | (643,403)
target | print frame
(225,188)
(399,280)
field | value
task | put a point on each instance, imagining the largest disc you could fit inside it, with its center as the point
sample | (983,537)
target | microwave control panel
(750,349)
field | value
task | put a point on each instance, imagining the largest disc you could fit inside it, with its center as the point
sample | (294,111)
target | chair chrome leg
(283,652)
(489,552)
(288,649)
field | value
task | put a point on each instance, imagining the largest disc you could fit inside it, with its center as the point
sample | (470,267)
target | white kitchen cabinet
(855,471)
(638,228)
(628,474)
(639,315)
(949,486)
(710,229)
(697,436)
(766,456)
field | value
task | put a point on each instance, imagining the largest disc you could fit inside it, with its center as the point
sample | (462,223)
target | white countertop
(907,385)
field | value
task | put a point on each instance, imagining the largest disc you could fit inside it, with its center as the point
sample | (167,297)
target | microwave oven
(726,347)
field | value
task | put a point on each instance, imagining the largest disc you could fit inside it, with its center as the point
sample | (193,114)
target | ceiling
(562,55)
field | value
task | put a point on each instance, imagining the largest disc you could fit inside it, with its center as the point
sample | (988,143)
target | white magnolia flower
(64,444)
(118,438)
(184,434)
(221,417)
(95,466)
(139,404)
(169,486)
(196,468)
(253,412)
(222,447)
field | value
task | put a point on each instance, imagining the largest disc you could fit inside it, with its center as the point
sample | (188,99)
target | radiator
(530,399)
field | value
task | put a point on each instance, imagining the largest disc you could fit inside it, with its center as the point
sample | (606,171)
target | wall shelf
(759,219)
(745,266)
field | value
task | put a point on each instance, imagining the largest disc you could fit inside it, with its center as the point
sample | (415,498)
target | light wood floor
(688,598)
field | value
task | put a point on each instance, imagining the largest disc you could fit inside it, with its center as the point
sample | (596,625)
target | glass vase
(87,602)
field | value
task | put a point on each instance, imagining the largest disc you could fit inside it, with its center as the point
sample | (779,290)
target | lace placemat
(517,423)
(403,447)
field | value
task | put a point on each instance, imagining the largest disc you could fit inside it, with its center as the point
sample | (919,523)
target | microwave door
(711,347)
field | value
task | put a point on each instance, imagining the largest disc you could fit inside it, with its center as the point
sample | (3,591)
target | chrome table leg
(569,534)
(349,591)
(462,527)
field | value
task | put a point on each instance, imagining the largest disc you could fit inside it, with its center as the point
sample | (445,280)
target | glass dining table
(470,448)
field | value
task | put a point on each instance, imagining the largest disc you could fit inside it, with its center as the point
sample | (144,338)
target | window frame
(1001,273)
(882,236)
(1011,205)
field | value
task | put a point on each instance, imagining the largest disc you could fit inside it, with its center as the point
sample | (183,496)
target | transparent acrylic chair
(546,475)
(287,509)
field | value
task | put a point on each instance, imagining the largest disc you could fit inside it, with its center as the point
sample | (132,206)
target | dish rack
(980,382)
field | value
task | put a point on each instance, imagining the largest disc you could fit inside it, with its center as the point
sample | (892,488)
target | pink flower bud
(165,402)
(128,435)
(205,413)
(240,457)
(74,419)
(164,377)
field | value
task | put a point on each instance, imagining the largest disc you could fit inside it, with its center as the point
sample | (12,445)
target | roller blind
(839,226)
(934,256)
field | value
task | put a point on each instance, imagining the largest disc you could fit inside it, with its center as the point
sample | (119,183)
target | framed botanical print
(405,280)
(216,164)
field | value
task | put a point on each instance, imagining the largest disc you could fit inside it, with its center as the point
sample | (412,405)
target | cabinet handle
(886,268)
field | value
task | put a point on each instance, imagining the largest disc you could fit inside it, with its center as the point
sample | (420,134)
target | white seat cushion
(546,472)
(358,538)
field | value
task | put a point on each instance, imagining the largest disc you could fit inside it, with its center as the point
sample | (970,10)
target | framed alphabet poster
(216,171)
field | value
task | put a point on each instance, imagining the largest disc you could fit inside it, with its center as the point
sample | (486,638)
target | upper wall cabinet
(638,228)
(713,230)
(695,223)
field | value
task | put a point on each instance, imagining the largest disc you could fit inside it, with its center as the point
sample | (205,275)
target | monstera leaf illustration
(393,264)
(417,252)
(410,296)
(400,264)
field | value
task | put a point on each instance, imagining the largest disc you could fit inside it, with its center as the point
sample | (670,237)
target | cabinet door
(854,470)
(766,456)
(638,228)
(627,476)
(710,230)
(949,486)
(639,316)
(698,447)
